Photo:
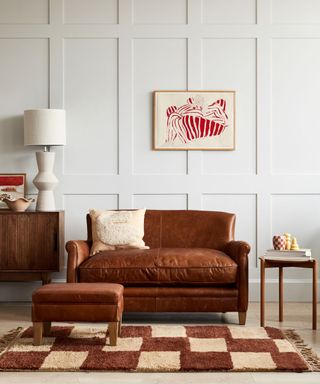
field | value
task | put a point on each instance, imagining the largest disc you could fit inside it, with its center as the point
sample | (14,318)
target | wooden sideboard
(31,245)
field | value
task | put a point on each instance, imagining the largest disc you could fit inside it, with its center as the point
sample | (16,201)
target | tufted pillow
(117,229)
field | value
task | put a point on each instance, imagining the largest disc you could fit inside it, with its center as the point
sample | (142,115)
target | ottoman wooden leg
(119,327)
(37,333)
(46,328)
(113,333)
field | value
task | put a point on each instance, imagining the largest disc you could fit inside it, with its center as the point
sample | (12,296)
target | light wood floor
(297,316)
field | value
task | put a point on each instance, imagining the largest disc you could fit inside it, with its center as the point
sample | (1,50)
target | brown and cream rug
(159,348)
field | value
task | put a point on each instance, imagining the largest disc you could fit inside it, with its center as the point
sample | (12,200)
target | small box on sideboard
(31,245)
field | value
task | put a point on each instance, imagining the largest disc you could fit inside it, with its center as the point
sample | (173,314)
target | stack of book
(290,255)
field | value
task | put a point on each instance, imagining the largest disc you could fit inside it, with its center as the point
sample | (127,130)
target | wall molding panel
(102,59)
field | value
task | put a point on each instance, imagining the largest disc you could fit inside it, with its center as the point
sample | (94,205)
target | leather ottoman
(87,302)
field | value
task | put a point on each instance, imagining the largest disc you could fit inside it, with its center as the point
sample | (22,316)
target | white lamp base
(45,181)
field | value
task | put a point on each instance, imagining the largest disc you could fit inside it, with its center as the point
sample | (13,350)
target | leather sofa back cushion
(185,229)
(160,266)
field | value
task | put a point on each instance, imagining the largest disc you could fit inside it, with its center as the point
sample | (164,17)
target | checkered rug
(159,348)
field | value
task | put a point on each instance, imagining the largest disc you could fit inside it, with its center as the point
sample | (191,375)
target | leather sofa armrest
(238,251)
(78,252)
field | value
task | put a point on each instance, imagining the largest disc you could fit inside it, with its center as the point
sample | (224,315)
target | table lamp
(45,127)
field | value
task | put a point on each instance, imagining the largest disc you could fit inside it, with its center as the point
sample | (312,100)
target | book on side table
(290,255)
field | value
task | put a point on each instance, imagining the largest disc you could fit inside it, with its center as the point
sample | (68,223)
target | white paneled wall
(157,64)
(24,12)
(91,99)
(90,12)
(102,59)
(238,64)
(159,12)
(295,11)
(163,201)
(229,12)
(295,99)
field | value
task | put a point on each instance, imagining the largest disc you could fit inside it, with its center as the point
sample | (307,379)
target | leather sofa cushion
(79,293)
(160,266)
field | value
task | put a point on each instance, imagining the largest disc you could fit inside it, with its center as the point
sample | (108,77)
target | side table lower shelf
(264,264)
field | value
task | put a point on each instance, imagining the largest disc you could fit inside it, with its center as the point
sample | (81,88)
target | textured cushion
(117,229)
(160,266)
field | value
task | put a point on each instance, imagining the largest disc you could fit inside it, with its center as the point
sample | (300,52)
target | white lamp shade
(44,127)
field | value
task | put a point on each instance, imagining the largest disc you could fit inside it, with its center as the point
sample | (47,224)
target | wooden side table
(310,263)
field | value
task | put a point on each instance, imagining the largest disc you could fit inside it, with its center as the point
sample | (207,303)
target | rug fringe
(308,354)
(7,338)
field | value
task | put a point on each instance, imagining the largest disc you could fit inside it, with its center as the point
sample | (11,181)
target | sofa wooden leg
(113,333)
(46,328)
(37,333)
(242,318)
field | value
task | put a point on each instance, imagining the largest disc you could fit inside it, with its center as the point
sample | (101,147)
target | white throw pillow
(117,229)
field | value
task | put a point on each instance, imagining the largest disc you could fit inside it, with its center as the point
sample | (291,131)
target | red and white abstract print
(196,119)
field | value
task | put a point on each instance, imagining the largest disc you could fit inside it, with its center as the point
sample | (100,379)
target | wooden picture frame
(194,120)
(13,185)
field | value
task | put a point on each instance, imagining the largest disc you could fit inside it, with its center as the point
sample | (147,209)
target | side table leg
(314,294)
(262,292)
(280,294)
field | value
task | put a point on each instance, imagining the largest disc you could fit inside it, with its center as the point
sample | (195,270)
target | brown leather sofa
(193,265)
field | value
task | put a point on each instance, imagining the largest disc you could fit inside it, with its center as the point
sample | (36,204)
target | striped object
(195,120)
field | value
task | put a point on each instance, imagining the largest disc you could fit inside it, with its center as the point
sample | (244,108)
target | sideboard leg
(46,278)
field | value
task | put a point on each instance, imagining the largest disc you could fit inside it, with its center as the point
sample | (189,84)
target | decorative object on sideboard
(288,241)
(285,242)
(18,205)
(12,186)
(294,244)
(279,242)
(45,127)
(199,120)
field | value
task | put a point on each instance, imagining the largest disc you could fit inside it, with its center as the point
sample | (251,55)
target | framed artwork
(12,185)
(196,120)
